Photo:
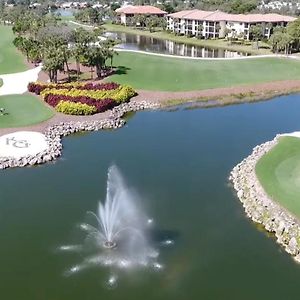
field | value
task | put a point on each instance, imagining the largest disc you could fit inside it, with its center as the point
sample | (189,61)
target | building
(217,24)
(130,11)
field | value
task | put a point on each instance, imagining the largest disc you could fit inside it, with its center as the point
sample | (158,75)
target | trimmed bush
(89,98)
(101,106)
(37,87)
(71,108)
(121,94)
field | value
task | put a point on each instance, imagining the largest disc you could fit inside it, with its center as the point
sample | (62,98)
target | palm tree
(82,39)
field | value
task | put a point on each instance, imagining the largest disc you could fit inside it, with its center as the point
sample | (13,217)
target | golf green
(279,173)
(151,72)
(11,61)
(23,110)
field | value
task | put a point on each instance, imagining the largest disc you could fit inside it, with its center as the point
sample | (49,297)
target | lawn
(151,72)
(279,173)
(23,110)
(11,61)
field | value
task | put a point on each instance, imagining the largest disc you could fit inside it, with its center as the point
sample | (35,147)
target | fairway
(279,173)
(151,72)
(23,110)
(11,61)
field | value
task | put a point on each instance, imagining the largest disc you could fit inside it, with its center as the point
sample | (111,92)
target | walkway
(16,83)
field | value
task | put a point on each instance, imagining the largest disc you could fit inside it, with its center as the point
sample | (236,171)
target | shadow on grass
(122,70)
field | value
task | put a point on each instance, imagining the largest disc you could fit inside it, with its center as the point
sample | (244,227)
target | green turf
(175,74)
(279,173)
(23,110)
(11,61)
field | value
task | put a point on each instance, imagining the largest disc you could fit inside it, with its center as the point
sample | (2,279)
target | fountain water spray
(119,237)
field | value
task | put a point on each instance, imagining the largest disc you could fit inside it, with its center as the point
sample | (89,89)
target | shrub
(71,108)
(121,94)
(124,94)
(101,106)
(38,87)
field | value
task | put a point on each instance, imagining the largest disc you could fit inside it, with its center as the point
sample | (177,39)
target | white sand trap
(16,83)
(295,134)
(22,143)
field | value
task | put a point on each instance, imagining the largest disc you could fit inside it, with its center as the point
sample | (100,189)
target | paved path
(16,83)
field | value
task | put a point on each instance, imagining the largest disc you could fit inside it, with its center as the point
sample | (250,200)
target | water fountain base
(109,244)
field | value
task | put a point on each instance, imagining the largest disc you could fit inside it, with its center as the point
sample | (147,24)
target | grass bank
(218,43)
(23,110)
(158,73)
(279,173)
(11,61)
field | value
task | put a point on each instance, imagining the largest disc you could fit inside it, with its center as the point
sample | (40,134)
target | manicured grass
(279,173)
(150,72)
(217,43)
(23,110)
(11,61)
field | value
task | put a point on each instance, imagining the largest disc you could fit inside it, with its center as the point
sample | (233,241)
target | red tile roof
(144,9)
(217,16)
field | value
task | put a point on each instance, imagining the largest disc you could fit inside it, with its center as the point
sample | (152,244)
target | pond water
(66,12)
(178,162)
(150,44)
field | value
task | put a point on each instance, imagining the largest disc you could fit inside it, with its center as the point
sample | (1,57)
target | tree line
(45,39)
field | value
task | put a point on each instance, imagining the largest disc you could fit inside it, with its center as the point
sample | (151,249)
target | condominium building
(130,11)
(217,24)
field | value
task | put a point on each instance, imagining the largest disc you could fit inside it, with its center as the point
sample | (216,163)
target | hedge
(82,98)
(38,87)
(71,108)
(101,106)
(121,94)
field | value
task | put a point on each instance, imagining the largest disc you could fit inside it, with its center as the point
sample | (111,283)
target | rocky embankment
(260,207)
(55,133)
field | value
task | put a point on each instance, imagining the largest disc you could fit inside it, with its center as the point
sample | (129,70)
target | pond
(66,12)
(178,163)
(150,44)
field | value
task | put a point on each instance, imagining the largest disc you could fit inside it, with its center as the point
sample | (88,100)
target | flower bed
(100,97)
(38,87)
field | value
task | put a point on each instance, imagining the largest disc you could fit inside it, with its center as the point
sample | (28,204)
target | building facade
(217,24)
(126,12)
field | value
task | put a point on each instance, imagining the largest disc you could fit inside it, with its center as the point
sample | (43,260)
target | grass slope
(279,173)
(10,60)
(175,74)
(23,110)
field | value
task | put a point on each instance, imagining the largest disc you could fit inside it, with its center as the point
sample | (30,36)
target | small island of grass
(268,184)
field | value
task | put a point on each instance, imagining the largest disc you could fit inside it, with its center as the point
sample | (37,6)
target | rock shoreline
(260,207)
(54,134)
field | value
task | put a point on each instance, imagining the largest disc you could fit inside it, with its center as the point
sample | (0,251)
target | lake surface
(178,162)
(66,12)
(150,44)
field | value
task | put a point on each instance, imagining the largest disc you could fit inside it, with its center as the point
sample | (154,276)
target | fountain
(119,237)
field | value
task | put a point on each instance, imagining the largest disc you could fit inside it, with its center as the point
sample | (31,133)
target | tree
(94,57)
(53,59)
(82,40)
(281,41)
(168,8)
(257,33)
(293,29)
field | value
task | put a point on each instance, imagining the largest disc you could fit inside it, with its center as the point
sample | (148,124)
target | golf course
(279,173)
(23,110)
(11,61)
(157,73)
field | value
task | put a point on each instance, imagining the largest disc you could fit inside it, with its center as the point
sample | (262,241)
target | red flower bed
(37,88)
(101,106)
